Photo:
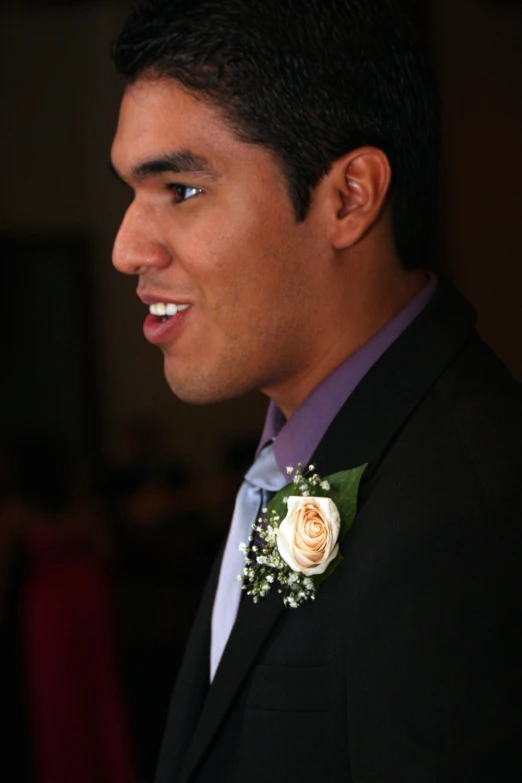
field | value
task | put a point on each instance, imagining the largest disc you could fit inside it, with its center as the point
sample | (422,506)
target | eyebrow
(178,162)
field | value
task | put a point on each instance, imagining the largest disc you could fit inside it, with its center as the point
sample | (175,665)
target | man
(282,157)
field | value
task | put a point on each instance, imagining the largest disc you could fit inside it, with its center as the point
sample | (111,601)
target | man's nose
(137,246)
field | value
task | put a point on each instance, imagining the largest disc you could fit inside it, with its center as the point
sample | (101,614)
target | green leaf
(277,504)
(344,488)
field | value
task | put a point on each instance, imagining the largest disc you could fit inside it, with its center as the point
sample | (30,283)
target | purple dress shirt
(296,440)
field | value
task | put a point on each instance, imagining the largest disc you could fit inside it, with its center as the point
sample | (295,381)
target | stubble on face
(251,339)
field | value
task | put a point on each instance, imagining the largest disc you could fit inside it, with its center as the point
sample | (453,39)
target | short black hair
(310,80)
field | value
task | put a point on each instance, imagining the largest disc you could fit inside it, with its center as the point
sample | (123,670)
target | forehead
(158,116)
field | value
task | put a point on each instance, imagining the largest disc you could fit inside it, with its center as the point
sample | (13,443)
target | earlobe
(362,181)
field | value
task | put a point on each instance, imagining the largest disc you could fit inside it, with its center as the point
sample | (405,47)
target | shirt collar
(296,439)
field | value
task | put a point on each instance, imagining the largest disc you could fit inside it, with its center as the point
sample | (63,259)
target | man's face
(212,230)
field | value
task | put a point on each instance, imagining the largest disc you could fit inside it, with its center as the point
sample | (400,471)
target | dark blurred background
(150,480)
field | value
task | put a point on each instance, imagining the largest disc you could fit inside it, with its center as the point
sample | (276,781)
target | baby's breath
(265,566)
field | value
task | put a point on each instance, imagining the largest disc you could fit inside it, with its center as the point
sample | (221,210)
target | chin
(204,390)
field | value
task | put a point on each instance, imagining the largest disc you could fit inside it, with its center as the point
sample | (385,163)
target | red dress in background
(74,689)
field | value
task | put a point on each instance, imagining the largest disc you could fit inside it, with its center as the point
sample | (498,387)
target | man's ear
(357,189)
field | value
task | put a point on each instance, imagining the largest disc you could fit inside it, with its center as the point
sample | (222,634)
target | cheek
(246,268)
(214,251)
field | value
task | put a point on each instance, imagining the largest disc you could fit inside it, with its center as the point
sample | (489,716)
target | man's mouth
(166,310)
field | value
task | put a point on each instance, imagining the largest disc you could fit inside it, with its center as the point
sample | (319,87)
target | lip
(149,298)
(159,332)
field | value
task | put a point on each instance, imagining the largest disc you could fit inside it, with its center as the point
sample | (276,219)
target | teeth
(161,309)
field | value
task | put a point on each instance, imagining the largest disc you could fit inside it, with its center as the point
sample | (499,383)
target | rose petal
(307,536)
(285,550)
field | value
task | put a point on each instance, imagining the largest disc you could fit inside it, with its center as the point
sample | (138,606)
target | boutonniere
(295,544)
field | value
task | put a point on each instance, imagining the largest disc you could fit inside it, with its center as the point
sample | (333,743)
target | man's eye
(184,192)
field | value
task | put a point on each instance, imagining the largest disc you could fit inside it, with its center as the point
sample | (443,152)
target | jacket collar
(396,384)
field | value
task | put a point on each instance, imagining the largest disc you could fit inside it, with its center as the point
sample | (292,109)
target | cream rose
(307,536)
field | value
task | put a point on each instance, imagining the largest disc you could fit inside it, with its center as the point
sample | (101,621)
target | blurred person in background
(76,712)
(16,741)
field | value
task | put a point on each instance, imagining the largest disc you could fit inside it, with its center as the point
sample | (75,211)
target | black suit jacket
(407,666)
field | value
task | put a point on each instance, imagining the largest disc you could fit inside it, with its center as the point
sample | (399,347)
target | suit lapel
(360,433)
(253,624)
(396,384)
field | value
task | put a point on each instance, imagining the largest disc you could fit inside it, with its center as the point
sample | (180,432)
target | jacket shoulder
(483,403)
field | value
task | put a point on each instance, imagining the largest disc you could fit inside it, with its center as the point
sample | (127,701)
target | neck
(355,312)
